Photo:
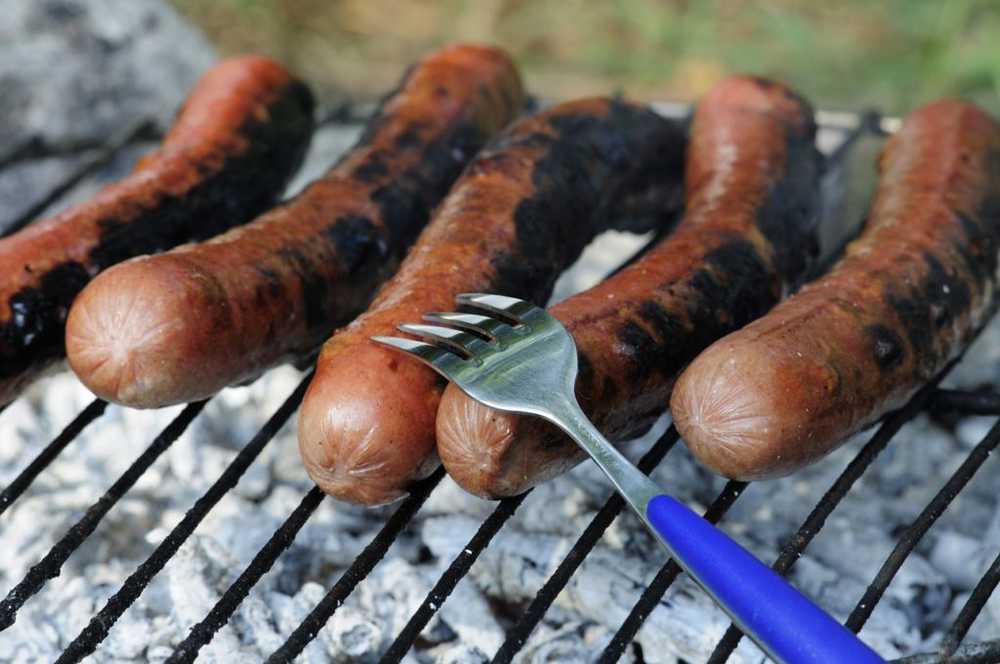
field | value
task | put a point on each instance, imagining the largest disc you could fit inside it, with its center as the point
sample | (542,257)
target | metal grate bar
(978,653)
(50,566)
(518,635)
(973,607)
(19,151)
(116,145)
(359,569)
(95,632)
(920,526)
(663,580)
(455,573)
(223,610)
(976,402)
(20,483)
(834,495)
(37,147)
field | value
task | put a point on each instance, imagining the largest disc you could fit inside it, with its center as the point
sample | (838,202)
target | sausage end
(729,408)
(131,338)
(361,424)
(473,441)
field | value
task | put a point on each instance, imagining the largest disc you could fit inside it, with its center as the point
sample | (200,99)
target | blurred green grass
(892,55)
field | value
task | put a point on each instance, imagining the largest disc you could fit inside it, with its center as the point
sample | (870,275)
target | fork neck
(633,485)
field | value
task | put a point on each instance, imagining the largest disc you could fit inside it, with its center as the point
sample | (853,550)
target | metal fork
(521,359)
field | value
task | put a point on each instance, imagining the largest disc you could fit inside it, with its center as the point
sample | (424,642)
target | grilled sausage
(752,202)
(906,298)
(182,325)
(239,137)
(521,213)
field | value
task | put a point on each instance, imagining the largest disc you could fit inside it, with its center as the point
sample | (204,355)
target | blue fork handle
(766,606)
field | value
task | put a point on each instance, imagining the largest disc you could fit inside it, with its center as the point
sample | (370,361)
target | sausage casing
(182,325)
(751,207)
(521,213)
(905,299)
(239,137)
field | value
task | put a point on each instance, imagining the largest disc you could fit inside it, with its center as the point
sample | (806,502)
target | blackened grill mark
(947,295)
(586,383)
(982,234)
(931,305)
(723,295)
(791,209)
(314,285)
(405,203)
(588,167)
(271,281)
(410,137)
(33,334)
(914,315)
(639,346)
(887,347)
(373,170)
(748,288)
(245,185)
(975,251)
(355,240)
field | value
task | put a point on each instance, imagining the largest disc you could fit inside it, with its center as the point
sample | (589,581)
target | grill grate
(52,563)
(359,569)
(931,398)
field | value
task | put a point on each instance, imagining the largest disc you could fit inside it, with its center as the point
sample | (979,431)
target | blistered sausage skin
(182,325)
(751,206)
(522,212)
(237,140)
(906,298)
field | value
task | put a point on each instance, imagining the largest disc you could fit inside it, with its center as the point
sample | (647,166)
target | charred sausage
(522,212)
(752,202)
(182,325)
(906,298)
(239,137)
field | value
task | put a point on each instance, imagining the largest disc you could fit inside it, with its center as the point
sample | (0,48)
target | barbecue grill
(846,128)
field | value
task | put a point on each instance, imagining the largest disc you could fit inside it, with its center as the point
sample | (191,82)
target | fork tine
(455,340)
(443,361)
(482,325)
(509,308)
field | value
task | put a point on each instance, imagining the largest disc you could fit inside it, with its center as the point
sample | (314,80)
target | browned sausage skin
(182,325)
(752,202)
(239,137)
(906,298)
(522,211)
